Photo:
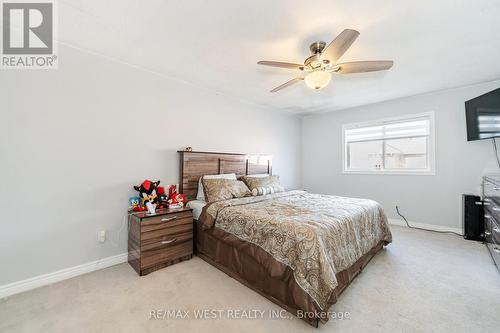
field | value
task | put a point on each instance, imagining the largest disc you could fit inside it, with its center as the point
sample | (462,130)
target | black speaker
(473,217)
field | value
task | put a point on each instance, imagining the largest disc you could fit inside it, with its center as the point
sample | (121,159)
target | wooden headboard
(195,164)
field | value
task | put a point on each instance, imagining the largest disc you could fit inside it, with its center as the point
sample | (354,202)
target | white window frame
(431,146)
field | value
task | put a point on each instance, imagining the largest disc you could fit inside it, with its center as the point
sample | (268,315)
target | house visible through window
(402,145)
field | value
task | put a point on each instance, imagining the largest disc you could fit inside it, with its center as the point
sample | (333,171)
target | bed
(299,250)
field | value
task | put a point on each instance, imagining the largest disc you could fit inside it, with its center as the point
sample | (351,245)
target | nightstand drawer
(165,241)
(168,253)
(159,222)
(168,229)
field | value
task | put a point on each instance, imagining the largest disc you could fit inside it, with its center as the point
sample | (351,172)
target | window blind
(392,130)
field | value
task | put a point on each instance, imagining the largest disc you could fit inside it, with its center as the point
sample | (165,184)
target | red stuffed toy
(175,199)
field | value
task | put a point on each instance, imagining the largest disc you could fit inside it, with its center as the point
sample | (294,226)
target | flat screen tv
(483,116)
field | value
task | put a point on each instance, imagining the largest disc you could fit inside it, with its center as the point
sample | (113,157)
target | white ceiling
(435,45)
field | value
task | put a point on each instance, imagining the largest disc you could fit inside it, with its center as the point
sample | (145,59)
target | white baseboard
(63,274)
(67,273)
(426,226)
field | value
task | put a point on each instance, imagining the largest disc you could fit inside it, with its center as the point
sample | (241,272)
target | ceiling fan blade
(363,66)
(287,84)
(339,45)
(288,65)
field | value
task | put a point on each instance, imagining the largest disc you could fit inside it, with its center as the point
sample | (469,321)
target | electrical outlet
(101,236)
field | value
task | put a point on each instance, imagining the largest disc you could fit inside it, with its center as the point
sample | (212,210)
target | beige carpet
(423,282)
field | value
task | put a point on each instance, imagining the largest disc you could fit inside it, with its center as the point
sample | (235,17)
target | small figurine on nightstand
(134,204)
(162,198)
(175,200)
(148,192)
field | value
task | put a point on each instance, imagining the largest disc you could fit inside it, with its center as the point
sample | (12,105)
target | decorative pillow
(201,194)
(239,189)
(258,175)
(224,189)
(254,182)
(267,190)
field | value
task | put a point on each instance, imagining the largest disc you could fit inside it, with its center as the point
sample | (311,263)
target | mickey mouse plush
(148,191)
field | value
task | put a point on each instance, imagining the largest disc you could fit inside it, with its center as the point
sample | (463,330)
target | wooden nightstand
(160,240)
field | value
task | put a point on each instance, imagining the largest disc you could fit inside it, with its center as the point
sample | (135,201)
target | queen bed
(299,250)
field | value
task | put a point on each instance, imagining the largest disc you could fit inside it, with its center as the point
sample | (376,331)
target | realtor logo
(28,35)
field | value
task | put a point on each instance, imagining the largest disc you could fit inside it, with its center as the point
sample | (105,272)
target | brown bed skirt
(258,270)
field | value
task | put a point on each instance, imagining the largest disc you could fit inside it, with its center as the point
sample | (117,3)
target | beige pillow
(201,194)
(224,189)
(255,182)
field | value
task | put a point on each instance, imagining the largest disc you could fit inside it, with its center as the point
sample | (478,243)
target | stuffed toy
(135,204)
(175,199)
(148,192)
(172,190)
(163,200)
(162,197)
(178,200)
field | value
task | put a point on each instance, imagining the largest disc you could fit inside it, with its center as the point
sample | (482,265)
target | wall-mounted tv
(483,116)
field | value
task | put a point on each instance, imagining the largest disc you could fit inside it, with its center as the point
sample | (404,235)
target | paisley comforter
(315,235)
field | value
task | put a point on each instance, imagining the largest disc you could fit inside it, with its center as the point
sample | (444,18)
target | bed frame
(193,165)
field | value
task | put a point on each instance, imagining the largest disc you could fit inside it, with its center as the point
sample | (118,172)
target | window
(395,146)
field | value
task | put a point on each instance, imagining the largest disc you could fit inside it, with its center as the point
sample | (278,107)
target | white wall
(423,199)
(73,142)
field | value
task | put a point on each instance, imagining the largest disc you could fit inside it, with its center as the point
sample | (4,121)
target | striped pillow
(264,190)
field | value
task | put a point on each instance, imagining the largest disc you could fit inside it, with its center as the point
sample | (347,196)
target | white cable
(494,141)
(124,222)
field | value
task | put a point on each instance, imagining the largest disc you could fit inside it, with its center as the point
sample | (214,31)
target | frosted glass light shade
(318,79)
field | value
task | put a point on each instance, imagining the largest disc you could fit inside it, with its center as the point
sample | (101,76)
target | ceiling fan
(324,61)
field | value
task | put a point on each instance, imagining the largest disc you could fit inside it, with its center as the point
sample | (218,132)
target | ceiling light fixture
(324,61)
(318,79)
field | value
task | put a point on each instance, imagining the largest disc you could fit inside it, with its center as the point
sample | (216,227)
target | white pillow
(259,175)
(201,192)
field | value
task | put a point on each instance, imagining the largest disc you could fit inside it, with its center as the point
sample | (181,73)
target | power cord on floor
(411,227)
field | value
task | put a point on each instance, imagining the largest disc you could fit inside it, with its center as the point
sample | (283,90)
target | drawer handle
(486,203)
(495,229)
(486,216)
(487,233)
(496,209)
(166,219)
(169,241)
